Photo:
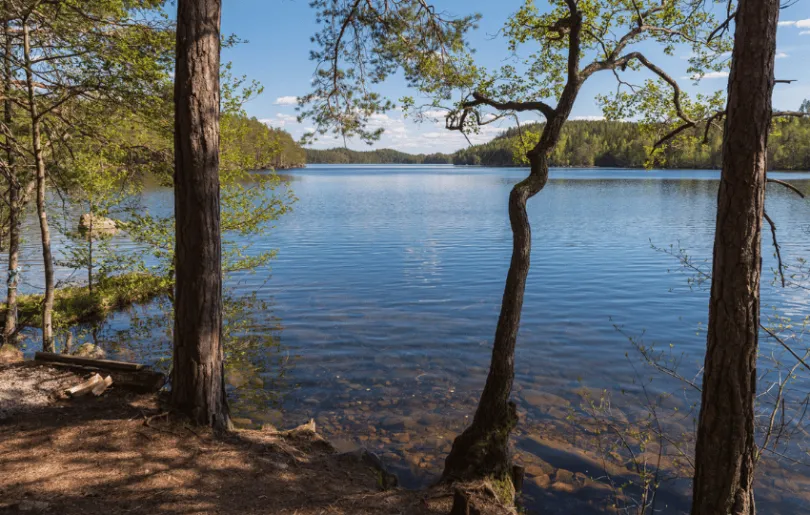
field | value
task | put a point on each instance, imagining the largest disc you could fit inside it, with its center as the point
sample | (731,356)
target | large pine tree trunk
(724,463)
(198,388)
(45,231)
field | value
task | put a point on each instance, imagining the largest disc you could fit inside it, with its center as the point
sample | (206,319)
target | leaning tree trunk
(482,450)
(198,388)
(724,461)
(45,231)
(14,204)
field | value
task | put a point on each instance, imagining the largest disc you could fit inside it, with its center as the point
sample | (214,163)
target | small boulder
(385,479)
(236,378)
(88,350)
(541,481)
(544,401)
(272,417)
(396,423)
(97,224)
(10,354)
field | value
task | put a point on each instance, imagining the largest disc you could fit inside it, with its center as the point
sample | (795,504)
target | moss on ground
(76,305)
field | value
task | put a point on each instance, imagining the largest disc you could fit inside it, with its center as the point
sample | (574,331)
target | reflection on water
(379,315)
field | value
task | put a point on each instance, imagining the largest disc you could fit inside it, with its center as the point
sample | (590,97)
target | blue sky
(277,55)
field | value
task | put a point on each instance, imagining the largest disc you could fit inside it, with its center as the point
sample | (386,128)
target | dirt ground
(121,453)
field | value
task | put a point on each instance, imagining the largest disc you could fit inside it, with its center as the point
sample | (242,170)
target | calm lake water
(385,293)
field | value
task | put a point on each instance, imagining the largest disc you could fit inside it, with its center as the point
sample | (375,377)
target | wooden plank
(88,362)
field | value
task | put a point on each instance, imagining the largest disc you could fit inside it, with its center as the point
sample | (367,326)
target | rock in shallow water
(88,350)
(543,401)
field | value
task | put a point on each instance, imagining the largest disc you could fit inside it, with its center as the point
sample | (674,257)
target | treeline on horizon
(595,143)
(340,155)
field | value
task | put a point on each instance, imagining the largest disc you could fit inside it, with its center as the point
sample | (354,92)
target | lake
(383,300)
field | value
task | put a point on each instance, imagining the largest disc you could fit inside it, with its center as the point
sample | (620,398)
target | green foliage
(362,43)
(626,144)
(100,186)
(78,305)
(249,201)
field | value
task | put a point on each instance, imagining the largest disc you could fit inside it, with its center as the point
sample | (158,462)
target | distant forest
(595,143)
(381,156)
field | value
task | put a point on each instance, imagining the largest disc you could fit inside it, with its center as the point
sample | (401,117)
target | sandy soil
(122,453)
(27,388)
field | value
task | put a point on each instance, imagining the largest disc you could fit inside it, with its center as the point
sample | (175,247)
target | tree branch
(480,99)
(785,345)
(780,266)
(787,185)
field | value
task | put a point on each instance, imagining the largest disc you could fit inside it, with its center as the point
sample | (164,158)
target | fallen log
(143,380)
(106,364)
(85,387)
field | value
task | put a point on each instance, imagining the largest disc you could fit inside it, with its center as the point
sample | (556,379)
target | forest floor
(122,453)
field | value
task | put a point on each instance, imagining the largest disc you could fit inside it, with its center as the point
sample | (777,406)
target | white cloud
(801,24)
(804,33)
(709,75)
(279,120)
(286,101)
(435,114)
(781,55)
(587,117)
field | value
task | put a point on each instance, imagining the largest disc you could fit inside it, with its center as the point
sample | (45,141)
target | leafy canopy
(552,51)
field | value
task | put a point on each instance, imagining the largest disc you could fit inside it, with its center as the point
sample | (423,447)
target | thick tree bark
(14,204)
(482,450)
(725,452)
(45,231)
(198,388)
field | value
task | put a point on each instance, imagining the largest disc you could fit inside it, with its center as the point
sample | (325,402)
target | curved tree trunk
(45,231)
(198,388)
(725,452)
(482,450)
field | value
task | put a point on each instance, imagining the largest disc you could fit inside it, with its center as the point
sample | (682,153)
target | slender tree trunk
(482,450)
(197,377)
(14,203)
(36,139)
(90,255)
(725,452)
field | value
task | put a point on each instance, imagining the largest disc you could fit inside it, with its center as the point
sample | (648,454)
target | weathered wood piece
(105,364)
(102,386)
(518,476)
(462,505)
(85,387)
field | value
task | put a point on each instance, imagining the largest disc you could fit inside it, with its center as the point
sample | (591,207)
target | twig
(780,266)
(785,345)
